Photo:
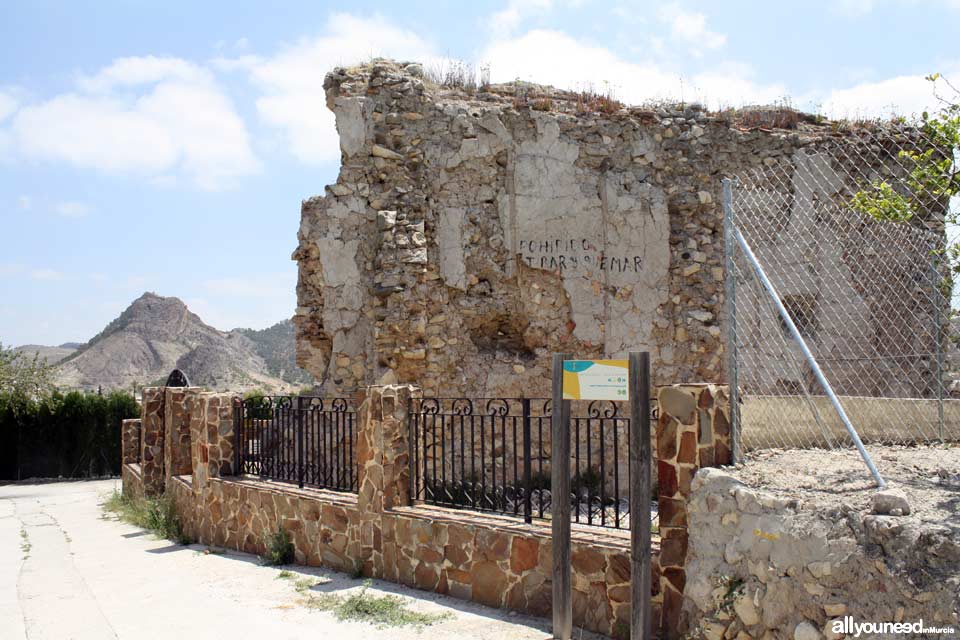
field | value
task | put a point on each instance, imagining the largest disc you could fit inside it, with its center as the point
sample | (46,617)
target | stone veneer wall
(151,458)
(177,430)
(493,560)
(130,441)
(693,432)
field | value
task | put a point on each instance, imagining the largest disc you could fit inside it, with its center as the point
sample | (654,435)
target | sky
(166,146)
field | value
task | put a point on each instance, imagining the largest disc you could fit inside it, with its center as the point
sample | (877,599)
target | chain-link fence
(871,298)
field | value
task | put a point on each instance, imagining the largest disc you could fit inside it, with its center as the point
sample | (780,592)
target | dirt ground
(930,476)
(67,571)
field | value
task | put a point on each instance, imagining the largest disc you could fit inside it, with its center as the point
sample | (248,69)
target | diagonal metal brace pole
(785,315)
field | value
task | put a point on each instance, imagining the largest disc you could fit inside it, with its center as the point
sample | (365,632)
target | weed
(542,104)
(733,588)
(381,611)
(279,548)
(285,575)
(158,515)
(305,584)
(25,544)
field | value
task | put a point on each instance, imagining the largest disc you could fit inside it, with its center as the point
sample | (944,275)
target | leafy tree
(23,376)
(934,173)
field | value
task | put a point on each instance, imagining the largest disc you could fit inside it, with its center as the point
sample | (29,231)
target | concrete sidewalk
(66,571)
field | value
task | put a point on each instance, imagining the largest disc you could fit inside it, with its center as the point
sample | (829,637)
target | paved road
(67,572)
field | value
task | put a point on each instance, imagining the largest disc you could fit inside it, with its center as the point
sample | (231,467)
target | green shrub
(279,548)
(158,515)
(381,611)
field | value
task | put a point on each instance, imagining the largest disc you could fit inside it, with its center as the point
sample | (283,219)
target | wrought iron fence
(305,440)
(494,455)
(871,298)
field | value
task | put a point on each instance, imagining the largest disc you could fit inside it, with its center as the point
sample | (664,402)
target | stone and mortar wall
(494,560)
(468,236)
(767,566)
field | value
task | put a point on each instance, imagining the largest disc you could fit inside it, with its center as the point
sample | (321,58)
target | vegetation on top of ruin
(457,79)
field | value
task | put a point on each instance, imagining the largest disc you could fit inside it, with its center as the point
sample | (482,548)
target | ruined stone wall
(469,236)
(775,566)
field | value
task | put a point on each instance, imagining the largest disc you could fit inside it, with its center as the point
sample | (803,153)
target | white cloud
(505,21)
(146,116)
(8,104)
(553,57)
(256,301)
(71,209)
(291,81)
(689,28)
(46,274)
(853,7)
(902,95)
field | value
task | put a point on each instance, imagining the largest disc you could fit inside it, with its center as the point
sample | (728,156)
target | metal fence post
(527,480)
(731,295)
(300,453)
(560,505)
(238,435)
(938,338)
(640,462)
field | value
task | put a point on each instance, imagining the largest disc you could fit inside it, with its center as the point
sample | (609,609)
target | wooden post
(640,623)
(560,506)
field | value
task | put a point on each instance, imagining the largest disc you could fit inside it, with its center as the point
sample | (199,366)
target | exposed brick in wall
(494,560)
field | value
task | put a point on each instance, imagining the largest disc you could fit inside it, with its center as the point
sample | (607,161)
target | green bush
(279,548)
(73,435)
(159,515)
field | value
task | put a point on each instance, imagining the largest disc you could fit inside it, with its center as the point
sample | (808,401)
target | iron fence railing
(310,441)
(493,455)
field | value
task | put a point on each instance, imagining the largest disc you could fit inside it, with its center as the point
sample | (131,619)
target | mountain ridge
(156,334)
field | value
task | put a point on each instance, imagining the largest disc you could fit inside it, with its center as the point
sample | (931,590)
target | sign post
(617,380)
(640,622)
(560,507)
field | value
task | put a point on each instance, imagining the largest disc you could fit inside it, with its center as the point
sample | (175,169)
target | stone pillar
(130,441)
(151,456)
(212,437)
(177,430)
(693,432)
(383,460)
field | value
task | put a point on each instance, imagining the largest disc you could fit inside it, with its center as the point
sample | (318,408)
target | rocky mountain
(52,355)
(277,345)
(156,334)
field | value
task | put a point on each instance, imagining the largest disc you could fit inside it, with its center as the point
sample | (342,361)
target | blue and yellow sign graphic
(595,380)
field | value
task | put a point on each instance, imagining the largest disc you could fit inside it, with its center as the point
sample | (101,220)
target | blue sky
(166,146)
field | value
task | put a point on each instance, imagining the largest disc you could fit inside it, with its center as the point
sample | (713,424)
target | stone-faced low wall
(130,441)
(132,480)
(494,560)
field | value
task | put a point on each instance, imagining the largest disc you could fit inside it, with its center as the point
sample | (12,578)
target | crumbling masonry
(469,235)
